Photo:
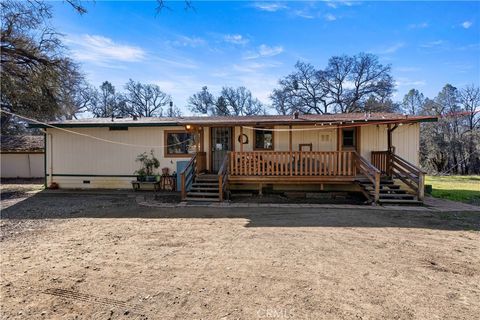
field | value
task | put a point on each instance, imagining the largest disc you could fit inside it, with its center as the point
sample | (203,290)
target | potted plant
(149,164)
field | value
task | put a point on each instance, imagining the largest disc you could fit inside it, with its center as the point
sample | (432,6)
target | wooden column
(389,138)
(290,147)
(241,138)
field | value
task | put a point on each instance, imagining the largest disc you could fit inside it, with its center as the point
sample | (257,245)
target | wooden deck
(309,167)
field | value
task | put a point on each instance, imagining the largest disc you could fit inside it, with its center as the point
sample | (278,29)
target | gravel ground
(88,256)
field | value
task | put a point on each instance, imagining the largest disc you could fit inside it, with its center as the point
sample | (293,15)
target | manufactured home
(373,153)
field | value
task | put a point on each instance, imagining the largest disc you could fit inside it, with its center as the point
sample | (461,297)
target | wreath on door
(243,138)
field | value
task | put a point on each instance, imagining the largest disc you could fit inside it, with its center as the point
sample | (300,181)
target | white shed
(22,157)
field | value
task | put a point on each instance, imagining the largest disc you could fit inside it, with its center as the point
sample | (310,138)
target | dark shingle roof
(22,143)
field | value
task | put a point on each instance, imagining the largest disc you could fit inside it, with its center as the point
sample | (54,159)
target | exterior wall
(22,165)
(281,139)
(405,139)
(75,158)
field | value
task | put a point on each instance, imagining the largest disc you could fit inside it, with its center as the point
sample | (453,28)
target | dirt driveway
(105,257)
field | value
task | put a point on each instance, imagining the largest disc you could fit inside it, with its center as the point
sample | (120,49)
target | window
(264,139)
(179,143)
(348,136)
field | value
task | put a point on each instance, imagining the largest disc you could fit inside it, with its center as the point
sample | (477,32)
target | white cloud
(103,50)
(421,25)
(303,14)
(467,24)
(265,51)
(254,66)
(336,3)
(184,41)
(406,82)
(270,7)
(433,44)
(392,49)
(236,39)
(330,17)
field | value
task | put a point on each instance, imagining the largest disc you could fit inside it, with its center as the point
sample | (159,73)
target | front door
(221,143)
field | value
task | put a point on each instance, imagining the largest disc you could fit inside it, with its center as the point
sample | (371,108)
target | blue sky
(254,44)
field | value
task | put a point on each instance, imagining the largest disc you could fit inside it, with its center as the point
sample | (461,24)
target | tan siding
(405,139)
(80,155)
(281,138)
(373,138)
(22,165)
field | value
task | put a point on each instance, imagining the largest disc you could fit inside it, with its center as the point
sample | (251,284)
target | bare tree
(301,90)
(281,101)
(344,86)
(231,101)
(146,100)
(34,68)
(240,102)
(173,111)
(202,102)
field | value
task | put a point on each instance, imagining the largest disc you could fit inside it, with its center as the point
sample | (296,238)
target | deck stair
(204,188)
(390,192)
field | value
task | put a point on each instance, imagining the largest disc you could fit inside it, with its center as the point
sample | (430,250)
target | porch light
(188,127)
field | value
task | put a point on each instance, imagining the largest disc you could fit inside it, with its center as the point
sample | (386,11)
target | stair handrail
(187,175)
(370,171)
(411,175)
(223,176)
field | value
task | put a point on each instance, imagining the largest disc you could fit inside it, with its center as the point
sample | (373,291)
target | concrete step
(386,190)
(396,196)
(202,199)
(202,194)
(400,202)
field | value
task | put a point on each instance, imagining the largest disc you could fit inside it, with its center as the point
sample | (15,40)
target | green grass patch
(457,188)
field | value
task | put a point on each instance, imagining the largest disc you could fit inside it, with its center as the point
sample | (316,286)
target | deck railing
(370,171)
(295,163)
(409,174)
(399,168)
(381,159)
(187,176)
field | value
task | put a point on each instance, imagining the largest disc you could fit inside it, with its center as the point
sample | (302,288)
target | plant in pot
(149,164)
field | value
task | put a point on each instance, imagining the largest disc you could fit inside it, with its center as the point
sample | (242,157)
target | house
(22,157)
(375,153)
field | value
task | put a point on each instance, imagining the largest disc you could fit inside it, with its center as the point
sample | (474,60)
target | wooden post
(390,148)
(220,187)
(377,186)
(389,138)
(421,186)
(197,140)
(241,138)
(183,186)
(290,146)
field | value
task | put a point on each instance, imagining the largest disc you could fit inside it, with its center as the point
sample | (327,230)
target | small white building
(22,157)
